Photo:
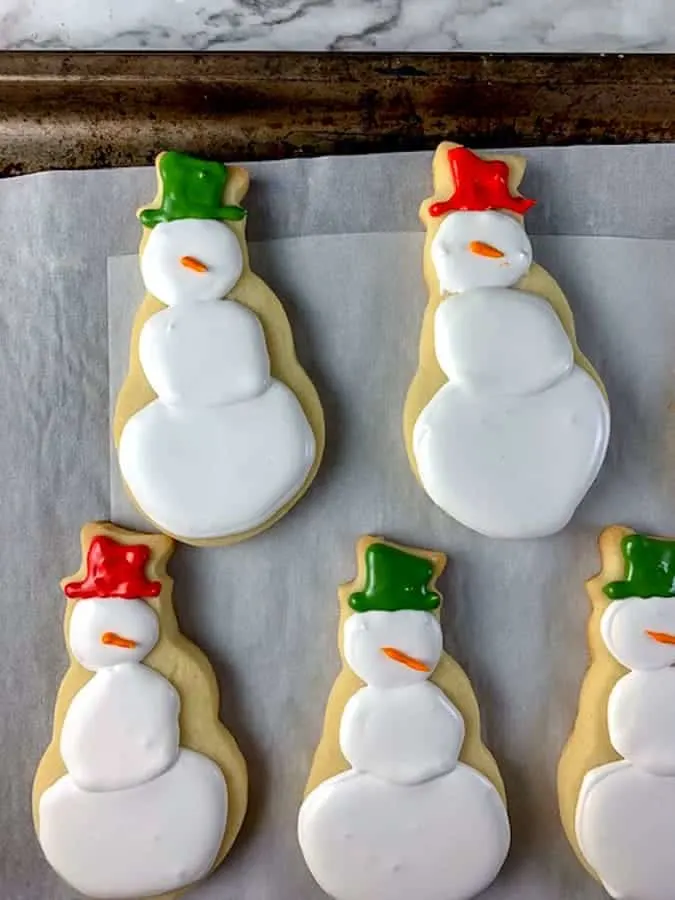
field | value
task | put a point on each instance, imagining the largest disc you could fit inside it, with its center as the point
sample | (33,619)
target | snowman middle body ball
(506,422)
(219,430)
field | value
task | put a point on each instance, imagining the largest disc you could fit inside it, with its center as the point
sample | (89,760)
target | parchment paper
(338,240)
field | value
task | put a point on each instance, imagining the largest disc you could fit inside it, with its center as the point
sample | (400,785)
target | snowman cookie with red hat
(218,429)
(142,790)
(506,422)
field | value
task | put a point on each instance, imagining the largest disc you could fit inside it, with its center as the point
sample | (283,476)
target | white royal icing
(479,339)
(121,728)
(407,819)
(641,720)
(624,626)
(207,357)
(407,735)
(224,446)
(91,619)
(365,838)
(416,633)
(136,815)
(158,836)
(459,268)
(508,450)
(210,242)
(207,472)
(625,823)
(625,814)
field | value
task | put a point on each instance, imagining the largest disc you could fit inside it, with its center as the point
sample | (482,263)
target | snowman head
(638,626)
(480,249)
(640,632)
(394,638)
(109,631)
(392,649)
(188,260)
(190,253)
(111,623)
(480,243)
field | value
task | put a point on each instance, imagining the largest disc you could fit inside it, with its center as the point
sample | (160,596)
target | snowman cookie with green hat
(404,800)
(219,431)
(624,807)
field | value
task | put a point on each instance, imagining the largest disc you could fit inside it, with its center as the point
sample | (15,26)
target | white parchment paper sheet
(338,240)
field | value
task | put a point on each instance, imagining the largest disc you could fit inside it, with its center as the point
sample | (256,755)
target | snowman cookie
(403,800)
(506,422)
(616,777)
(142,790)
(218,429)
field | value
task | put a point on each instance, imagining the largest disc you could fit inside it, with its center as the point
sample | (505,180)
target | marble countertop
(385,25)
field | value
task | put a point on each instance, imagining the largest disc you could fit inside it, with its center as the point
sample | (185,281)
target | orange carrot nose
(116,640)
(400,657)
(480,248)
(191,262)
(661,636)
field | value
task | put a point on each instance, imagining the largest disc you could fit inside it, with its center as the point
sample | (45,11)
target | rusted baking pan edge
(83,110)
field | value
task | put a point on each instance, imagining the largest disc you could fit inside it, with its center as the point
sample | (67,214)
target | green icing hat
(395,580)
(191,189)
(650,569)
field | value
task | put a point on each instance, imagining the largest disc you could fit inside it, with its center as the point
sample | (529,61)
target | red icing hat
(114,570)
(479,184)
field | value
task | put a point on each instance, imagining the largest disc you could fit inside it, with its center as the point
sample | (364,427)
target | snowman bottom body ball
(407,819)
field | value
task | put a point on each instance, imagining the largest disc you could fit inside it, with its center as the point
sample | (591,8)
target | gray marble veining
(386,25)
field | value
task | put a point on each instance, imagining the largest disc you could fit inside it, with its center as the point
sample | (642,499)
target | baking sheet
(265,611)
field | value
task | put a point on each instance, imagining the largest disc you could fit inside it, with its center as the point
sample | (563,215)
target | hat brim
(622,590)
(618,590)
(361,601)
(151,216)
